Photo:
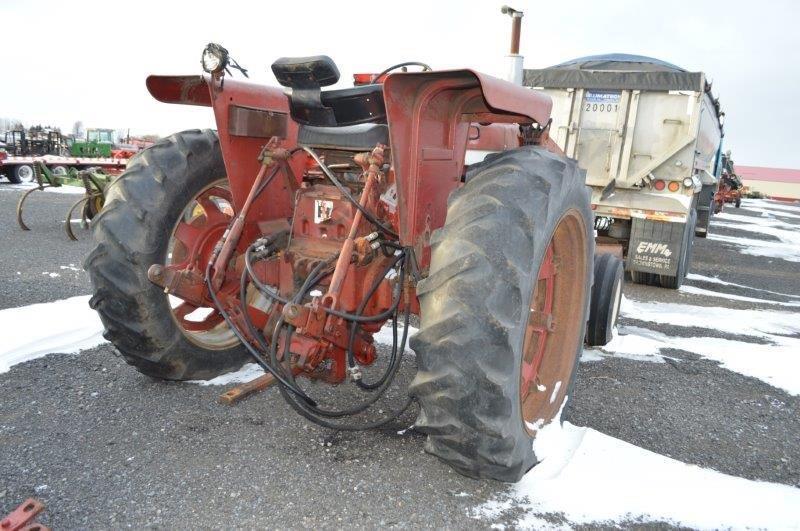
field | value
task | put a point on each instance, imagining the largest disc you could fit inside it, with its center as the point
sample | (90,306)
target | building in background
(777,183)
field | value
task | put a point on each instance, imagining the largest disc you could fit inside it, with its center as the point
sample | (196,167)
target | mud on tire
(475,304)
(131,233)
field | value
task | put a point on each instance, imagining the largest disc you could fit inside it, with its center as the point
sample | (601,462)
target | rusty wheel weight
(554,325)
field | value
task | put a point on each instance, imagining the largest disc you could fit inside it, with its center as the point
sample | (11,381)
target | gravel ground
(105,447)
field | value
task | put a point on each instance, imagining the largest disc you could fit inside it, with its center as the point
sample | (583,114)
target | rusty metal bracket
(21,518)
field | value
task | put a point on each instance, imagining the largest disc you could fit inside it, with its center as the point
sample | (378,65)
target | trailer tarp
(615,72)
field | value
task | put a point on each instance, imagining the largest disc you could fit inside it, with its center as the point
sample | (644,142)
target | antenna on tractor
(514,58)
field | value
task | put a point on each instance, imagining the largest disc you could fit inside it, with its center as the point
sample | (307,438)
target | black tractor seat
(360,137)
(308,105)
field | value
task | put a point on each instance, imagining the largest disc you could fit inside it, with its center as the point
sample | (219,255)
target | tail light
(658,185)
(674,186)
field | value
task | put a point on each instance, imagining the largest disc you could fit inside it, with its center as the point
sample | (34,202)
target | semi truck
(648,133)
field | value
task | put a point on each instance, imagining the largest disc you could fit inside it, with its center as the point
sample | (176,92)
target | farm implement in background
(94,182)
(62,154)
(730,185)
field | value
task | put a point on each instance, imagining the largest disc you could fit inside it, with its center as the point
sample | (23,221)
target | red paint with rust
(433,118)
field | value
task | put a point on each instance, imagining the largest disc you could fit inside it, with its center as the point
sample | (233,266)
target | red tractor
(312,218)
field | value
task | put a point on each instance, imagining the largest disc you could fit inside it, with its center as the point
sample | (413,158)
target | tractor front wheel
(169,207)
(503,312)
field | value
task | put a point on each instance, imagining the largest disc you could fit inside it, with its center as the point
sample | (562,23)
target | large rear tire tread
(474,308)
(131,233)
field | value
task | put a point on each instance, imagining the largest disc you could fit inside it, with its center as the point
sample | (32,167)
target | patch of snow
(785,232)
(384,335)
(591,354)
(633,342)
(51,275)
(776,363)
(767,203)
(71,267)
(753,247)
(694,290)
(65,326)
(249,371)
(716,280)
(757,323)
(763,221)
(592,478)
(64,189)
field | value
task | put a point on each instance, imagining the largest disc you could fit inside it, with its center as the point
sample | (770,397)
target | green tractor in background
(98,143)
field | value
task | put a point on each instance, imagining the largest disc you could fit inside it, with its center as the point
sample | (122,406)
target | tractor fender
(185,90)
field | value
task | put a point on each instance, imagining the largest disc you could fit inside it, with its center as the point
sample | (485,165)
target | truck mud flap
(704,204)
(655,246)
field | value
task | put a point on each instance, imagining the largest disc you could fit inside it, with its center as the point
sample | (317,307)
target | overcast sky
(68,61)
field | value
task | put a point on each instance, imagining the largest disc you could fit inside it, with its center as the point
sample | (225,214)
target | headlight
(215,58)
(688,182)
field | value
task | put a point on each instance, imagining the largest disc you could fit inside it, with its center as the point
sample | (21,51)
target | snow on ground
(776,363)
(716,280)
(66,326)
(760,205)
(588,477)
(788,245)
(23,187)
(763,221)
(757,323)
(694,290)
(754,247)
(250,371)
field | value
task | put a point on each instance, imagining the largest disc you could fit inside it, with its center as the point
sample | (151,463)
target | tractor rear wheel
(503,311)
(169,207)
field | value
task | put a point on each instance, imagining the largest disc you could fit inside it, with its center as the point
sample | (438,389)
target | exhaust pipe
(515,60)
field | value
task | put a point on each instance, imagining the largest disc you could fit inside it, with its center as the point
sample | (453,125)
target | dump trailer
(648,134)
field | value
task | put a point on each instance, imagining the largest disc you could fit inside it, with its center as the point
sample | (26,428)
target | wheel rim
(192,239)
(59,170)
(25,174)
(555,321)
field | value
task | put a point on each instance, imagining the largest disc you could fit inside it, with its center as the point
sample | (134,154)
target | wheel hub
(199,227)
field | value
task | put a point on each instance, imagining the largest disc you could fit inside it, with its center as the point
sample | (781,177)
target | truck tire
(21,173)
(676,282)
(144,208)
(606,298)
(485,318)
(645,279)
